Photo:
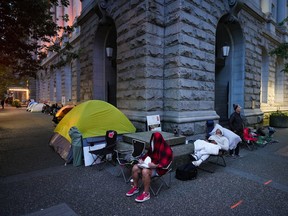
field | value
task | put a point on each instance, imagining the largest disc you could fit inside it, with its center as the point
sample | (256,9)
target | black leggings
(236,150)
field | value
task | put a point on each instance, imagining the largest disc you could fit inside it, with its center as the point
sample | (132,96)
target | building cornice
(254,12)
(271,37)
(87,12)
(261,17)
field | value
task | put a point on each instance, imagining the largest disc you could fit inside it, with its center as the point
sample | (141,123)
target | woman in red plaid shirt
(159,156)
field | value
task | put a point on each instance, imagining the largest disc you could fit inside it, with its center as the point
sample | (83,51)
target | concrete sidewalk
(34,180)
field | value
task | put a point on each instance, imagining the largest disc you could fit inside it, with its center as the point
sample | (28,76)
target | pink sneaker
(132,191)
(143,197)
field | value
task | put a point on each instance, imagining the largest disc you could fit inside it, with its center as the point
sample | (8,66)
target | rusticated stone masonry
(166,59)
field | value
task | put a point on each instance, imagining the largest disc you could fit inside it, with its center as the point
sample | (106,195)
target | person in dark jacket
(236,124)
(2,103)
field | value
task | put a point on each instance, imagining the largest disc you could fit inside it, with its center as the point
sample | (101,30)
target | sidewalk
(34,180)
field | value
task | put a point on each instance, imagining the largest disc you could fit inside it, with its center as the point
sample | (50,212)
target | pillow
(217,126)
(233,138)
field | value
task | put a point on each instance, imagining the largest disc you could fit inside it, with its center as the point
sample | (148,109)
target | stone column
(59,14)
(58,86)
(68,83)
(189,67)
(266,6)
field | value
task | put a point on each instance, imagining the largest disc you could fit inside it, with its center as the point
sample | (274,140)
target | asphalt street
(34,179)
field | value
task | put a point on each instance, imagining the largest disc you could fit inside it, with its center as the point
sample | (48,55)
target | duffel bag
(186,172)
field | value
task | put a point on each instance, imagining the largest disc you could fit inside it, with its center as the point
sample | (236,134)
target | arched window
(279,81)
(264,77)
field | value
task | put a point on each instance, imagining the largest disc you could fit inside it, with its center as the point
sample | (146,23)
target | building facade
(167,59)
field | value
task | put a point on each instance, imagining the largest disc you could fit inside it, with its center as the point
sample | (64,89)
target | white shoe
(197,163)
(193,157)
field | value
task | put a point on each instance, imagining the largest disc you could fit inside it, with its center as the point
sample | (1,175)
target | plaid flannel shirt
(162,154)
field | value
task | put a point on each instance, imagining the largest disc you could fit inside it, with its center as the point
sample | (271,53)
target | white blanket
(222,141)
(206,148)
(233,138)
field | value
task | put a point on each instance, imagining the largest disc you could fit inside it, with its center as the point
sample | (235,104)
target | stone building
(167,59)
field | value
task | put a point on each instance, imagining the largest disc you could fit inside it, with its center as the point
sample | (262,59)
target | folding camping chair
(109,149)
(249,140)
(265,138)
(218,160)
(214,159)
(127,158)
(157,182)
(220,157)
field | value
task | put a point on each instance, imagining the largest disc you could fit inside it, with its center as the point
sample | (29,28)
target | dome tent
(61,113)
(38,107)
(92,118)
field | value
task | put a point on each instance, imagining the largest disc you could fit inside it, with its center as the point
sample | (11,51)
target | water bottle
(176,131)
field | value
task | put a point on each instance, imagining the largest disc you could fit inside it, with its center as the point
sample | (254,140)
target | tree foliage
(282,52)
(27,31)
(282,49)
(9,79)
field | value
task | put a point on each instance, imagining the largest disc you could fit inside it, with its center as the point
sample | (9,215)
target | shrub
(16,103)
(279,113)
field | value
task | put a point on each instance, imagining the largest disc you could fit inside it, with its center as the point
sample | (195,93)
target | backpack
(186,172)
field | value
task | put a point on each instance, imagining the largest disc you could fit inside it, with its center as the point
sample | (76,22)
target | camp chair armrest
(168,167)
(123,151)
(111,147)
(123,159)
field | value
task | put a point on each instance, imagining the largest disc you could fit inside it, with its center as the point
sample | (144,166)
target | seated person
(161,155)
(219,139)
(233,138)
(203,149)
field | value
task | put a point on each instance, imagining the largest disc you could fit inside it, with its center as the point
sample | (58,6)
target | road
(33,179)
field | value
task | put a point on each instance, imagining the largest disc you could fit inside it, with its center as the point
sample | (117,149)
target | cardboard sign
(153,123)
(63,100)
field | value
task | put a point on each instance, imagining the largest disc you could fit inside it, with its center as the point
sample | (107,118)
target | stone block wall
(140,57)
(166,61)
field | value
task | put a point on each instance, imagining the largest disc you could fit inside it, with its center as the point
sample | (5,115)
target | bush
(16,103)
(279,113)
(279,119)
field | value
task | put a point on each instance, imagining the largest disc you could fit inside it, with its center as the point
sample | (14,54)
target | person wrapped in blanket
(203,149)
(158,156)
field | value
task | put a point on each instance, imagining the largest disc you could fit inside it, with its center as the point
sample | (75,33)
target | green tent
(92,118)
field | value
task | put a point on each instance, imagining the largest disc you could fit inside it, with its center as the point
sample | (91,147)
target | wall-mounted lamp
(225,50)
(109,52)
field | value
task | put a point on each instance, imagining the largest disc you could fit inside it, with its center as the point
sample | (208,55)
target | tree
(5,80)
(27,32)
(282,49)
